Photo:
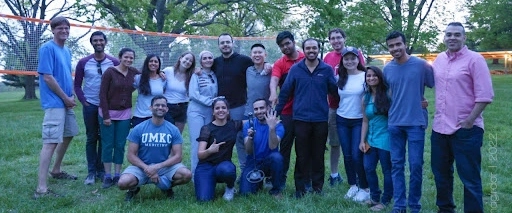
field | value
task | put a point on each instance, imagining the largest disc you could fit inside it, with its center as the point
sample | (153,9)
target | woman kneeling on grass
(375,139)
(216,142)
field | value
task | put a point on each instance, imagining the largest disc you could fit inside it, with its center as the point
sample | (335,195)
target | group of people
(367,114)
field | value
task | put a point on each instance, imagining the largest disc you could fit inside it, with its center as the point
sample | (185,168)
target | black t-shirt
(231,74)
(226,133)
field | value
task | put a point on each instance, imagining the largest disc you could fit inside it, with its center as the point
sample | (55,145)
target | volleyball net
(18,47)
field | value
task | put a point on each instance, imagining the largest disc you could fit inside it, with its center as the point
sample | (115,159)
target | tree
(489,24)
(240,17)
(366,22)
(22,38)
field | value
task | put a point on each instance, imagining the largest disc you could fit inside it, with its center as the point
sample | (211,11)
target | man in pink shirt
(463,90)
(337,40)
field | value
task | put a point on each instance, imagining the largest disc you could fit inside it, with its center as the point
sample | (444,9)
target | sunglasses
(211,78)
(98,64)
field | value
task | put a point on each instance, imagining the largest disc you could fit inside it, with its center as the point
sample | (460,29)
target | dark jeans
(371,159)
(463,147)
(93,143)
(349,133)
(207,175)
(414,138)
(310,149)
(272,166)
(285,147)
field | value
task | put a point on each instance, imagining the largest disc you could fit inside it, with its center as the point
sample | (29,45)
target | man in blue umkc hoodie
(309,81)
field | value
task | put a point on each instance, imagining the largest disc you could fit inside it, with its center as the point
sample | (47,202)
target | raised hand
(272,119)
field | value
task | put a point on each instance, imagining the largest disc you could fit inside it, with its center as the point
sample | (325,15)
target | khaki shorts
(144,179)
(57,124)
(332,135)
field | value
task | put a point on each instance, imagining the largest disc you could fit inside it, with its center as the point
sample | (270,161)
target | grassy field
(20,145)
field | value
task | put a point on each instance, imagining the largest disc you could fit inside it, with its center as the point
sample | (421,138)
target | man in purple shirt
(463,90)
(88,74)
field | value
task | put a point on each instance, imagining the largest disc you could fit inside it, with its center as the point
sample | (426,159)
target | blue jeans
(208,175)
(463,147)
(93,143)
(238,114)
(114,140)
(414,138)
(349,133)
(371,158)
(272,166)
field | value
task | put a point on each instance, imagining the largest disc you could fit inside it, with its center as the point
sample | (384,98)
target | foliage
(367,22)
(490,26)
(210,17)
(21,39)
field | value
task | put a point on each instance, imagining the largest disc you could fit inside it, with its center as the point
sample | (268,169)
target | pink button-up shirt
(462,79)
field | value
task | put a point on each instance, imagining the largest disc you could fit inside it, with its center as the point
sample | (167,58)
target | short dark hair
(125,50)
(457,24)
(57,21)
(284,35)
(395,34)
(158,97)
(311,39)
(337,30)
(257,45)
(267,103)
(98,33)
(225,34)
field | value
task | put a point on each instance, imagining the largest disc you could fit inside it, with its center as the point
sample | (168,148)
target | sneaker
(107,183)
(362,195)
(378,207)
(351,192)
(48,193)
(131,193)
(229,194)
(164,183)
(335,180)
(308,187)
(90,179)
(169,193)
(63,175)
(267,183)
(115,180)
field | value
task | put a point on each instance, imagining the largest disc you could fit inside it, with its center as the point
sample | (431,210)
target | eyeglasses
(211,78)
(98,64)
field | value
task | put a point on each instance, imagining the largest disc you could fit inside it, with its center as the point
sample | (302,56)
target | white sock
(333,175)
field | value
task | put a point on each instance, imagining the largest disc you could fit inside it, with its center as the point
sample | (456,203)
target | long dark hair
(382,102)
(343,72)
(220,99)
(144,87)
(189,71)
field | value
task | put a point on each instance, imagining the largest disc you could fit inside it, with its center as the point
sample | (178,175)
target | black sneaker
(169,193)
(115,180)
(131,193)
(107,183)
(335,180)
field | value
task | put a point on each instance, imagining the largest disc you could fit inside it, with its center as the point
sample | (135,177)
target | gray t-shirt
(257,87)
(144,101)
(407,86)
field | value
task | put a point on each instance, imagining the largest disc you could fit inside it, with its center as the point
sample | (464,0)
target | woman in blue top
(148,84)
(375,139)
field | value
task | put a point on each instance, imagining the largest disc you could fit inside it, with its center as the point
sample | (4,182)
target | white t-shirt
(175,91)
(350,97)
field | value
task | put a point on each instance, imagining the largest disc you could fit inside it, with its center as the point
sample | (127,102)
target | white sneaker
(229,194)
(362,195)
(351,192)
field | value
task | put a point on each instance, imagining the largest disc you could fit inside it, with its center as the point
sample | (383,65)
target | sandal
(63,175)
(378,207)
(48,193)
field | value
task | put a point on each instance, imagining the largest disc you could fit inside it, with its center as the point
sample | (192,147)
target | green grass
(20,145)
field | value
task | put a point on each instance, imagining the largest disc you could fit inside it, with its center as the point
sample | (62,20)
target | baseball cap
(348,50)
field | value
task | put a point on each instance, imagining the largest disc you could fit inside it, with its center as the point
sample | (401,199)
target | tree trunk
(495,61)
(30,88)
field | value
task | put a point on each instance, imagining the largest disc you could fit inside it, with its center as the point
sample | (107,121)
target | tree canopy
(490,26)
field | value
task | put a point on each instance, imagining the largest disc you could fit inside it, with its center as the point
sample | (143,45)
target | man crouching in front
(149,152)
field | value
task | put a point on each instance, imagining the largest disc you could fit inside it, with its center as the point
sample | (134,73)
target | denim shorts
(178,112)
